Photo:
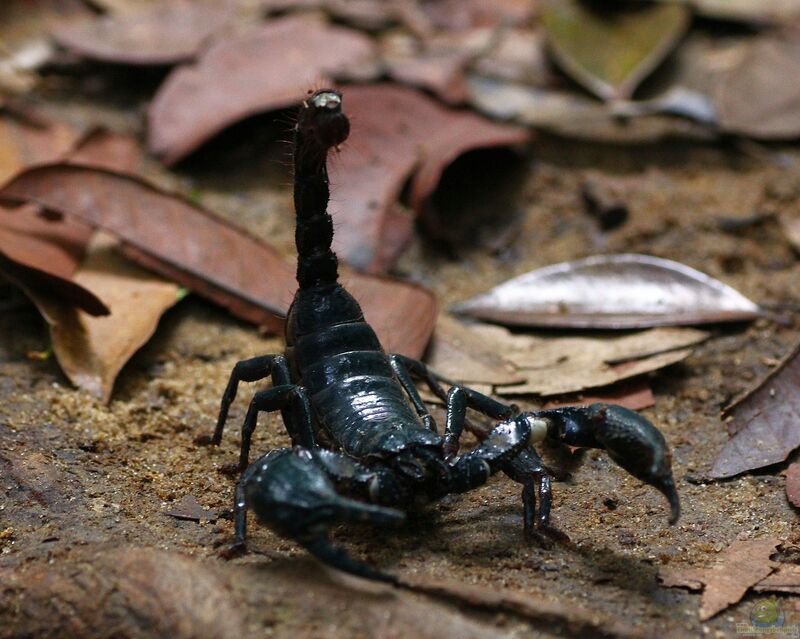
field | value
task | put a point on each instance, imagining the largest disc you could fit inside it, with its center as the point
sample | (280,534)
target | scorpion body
(365,447)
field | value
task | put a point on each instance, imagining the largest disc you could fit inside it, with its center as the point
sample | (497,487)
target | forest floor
(85,486)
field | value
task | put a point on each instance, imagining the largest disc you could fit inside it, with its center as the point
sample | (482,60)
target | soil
(85,486)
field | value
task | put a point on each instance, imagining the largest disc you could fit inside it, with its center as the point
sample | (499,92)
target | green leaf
(610,52)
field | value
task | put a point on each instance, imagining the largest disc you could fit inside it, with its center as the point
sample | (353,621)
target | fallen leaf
(455,15)
(189,508)
(42,256)
(610,52)
(760,13)
(31,140)
(370,15)
(442,75)
(394,131)
(557,365)
(236,76)
(92,350)
(162,34)
(635,394)
(576,621)
(786,578)
(611,292)
(753,97)
(764,421)
(793,484)
(459,353)
(189,245)
(105,149)
(742,565)
(576,116)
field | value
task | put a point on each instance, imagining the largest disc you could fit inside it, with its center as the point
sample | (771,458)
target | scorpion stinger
(382,452)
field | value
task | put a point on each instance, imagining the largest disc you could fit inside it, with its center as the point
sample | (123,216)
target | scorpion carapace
(365,447)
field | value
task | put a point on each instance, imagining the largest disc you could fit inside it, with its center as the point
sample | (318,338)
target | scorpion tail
(321,125)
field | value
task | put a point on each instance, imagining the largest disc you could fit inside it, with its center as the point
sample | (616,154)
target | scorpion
(364,446)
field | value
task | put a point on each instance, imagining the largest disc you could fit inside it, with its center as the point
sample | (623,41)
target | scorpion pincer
(365,447)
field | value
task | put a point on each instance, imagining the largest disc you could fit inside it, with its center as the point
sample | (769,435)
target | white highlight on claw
(327,100)
(538,429)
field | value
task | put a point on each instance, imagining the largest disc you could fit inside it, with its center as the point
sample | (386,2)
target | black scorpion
(364,444)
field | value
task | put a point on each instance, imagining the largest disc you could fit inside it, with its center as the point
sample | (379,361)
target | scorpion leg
(503,443)
(292,493)
(459,398)
(528,470)
(398,364)
(248,370)
(298,420)
(628,438)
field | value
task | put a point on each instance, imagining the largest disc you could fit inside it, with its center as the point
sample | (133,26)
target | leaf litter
(741,566)
(187,244)
(552,364)
(261,69)
(764,422)
(623,291)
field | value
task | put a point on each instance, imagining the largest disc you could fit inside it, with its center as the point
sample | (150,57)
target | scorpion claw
(630,440)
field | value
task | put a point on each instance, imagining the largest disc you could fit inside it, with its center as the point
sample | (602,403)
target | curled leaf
(764,421)
(157,35)
(189,245)
(262,69)
(611,291)
(92,350)
(396,130)
(610,51)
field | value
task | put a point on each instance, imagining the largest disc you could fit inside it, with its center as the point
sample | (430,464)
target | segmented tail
(321,125)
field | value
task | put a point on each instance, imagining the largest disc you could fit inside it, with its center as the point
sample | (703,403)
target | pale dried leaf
(189,508)
(790,223)
(92,350)
(635,394)
(754,98)
(556,365)
(764,421)
(611,291)
(742,565)
(459,353)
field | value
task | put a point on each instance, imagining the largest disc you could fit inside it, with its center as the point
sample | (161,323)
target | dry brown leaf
(92,350)
(394,131)
(764,421)
(31,140)
(102,148)
(790,223)
(442,75)
(557,365)
(754,98)
(455,15)
(263,69)
(189,508)
(460,354)
(627,290)
(165,33)
(786,578)
(793,484)
(742,565)
(187,244)
(635,394)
